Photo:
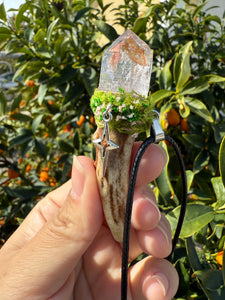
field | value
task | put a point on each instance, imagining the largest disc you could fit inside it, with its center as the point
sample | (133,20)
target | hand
(64,249)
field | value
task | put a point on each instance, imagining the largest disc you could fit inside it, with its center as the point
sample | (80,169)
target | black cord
(129,204)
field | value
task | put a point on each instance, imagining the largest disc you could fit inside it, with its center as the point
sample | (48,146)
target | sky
(12,3)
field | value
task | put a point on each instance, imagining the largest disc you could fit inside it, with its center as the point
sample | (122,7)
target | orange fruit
(219,258)
(30,83)
(11,115)
(34,95)
(28,168)
(92,120)
(67,128)
(44,176)
(173,117)
(81,120)
(167,143)
(12,173)
(22,103)
(51,102)
(184,125)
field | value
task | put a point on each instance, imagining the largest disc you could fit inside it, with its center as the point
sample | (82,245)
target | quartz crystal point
(126,65)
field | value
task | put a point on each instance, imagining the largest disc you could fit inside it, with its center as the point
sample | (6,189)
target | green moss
(132,113)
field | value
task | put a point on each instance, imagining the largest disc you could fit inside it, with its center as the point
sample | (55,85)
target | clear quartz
(127,64)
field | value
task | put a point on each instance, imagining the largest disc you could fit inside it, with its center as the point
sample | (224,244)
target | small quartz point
(127,64)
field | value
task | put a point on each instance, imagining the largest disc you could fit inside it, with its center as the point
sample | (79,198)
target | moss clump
(131,112)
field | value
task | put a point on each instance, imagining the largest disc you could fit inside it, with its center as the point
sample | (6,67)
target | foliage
(50,119)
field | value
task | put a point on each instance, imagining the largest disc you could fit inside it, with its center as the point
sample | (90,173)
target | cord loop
(157,135)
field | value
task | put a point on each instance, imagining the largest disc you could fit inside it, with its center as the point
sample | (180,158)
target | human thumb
(75,225)
(58,246)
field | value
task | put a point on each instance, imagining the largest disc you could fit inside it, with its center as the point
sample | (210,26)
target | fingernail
(147,195)
(78,176)
(164,234)
(164,153)
(157,285)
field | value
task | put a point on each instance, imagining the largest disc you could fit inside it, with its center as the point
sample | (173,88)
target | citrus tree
(50,119)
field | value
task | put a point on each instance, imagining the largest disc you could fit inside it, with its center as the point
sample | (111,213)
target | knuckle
(62,226)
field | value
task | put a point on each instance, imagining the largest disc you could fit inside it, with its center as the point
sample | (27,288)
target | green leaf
(25,136)
(22,117)
(64,76)
(213,18)
(74,93)
(67,168)
(40,147)
(3,15)
(81,13)
(190,178)
(5,30)
(165,77)
(86,129)
(90,79)
(219,131)
(185,72)
(40,36)
(200,84)
(222,161)
(195,140)
(184,277)
(164,185)
(199,9)
(36,122)
(50,30)
(197,216)
(25,193)
(100,3)
(197,194)
(20,16)
(199,108)
(140,25)
(65,146)
(3,103)
(160,95)
(184,110)
(16,102)
(211,279)
(192,254)
(107,30)
(176,67)
(201,161)
(4,36)
(182,68)
(77,140)
(41,93)
(219,190)
(20,70)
